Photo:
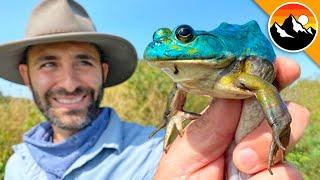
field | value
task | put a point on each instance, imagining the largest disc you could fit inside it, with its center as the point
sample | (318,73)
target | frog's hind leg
(175,119)
(257,77)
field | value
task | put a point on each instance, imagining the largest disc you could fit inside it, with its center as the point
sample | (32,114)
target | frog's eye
(161,33)
(185,33)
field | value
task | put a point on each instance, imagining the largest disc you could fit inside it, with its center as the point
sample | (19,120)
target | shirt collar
(112,136)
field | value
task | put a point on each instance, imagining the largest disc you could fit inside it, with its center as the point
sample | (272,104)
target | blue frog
(231,61)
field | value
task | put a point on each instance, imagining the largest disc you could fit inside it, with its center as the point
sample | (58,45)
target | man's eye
(47,65)
(85,63)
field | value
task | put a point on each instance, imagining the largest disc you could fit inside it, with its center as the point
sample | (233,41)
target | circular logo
(293,27)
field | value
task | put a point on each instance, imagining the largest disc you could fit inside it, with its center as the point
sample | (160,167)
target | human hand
(199,153)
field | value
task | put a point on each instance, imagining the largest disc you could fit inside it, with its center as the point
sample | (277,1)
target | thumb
(212,133)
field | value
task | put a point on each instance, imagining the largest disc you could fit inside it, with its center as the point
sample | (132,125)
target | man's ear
(105,71)
(23,69)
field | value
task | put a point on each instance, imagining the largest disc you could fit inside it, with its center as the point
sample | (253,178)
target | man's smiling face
(66,80)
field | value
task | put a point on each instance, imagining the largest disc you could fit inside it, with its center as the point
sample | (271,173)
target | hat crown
(58,16)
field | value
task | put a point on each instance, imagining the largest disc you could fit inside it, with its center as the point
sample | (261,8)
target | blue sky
(137,20)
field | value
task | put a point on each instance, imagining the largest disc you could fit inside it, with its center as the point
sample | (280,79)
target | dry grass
(14,120)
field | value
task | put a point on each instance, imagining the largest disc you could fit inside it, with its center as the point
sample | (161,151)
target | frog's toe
(171,134)
(272,154)
(281,137)
(279,143)
(176,126)
(177,120)
(182,119)
(157,130)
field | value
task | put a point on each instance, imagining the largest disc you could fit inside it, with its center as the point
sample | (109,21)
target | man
(66,64)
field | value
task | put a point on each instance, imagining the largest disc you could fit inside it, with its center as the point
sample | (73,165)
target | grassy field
(144,98)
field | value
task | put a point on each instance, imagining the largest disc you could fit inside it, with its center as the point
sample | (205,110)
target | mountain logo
(293,27)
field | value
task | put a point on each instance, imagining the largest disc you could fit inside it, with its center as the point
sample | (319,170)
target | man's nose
(70,80)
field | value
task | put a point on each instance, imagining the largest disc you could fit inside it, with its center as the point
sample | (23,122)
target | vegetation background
(142,99)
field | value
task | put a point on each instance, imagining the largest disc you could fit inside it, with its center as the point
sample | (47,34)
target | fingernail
(248,159)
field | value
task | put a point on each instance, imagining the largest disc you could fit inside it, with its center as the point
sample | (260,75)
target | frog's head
(185,54)
(184,43)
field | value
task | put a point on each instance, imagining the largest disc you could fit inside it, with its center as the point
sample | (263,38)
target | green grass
(306,154)
(144,99)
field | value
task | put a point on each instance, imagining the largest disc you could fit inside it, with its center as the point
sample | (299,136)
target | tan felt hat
(66,20)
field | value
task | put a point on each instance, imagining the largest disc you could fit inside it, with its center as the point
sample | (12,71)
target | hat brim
(119,53)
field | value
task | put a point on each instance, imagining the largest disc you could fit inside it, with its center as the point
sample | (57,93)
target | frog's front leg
(175,102)
(175,118)
(274,108)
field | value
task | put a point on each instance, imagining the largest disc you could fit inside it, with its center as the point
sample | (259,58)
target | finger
(251,154)
(287,71)
(282,171)
(204,140)
(211,171)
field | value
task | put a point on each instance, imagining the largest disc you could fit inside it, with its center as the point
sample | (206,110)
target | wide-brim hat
(66,20)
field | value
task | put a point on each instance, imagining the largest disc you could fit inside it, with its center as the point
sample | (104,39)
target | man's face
(66,80)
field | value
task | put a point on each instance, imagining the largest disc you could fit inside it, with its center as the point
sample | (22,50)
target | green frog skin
(231,61)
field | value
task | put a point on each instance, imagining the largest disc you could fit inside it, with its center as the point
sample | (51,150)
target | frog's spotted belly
(213,90)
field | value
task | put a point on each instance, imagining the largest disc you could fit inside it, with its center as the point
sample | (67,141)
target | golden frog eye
(185,33)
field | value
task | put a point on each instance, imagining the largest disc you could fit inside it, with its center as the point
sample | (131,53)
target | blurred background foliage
(142,99)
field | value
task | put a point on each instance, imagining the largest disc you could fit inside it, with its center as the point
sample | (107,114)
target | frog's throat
(212,63)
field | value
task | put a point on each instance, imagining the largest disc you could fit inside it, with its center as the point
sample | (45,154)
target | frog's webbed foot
(281,135)
(175,101)
(275,110)
(176,125)
(175,119)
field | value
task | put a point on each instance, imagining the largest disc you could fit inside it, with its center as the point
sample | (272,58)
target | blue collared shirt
(123,151)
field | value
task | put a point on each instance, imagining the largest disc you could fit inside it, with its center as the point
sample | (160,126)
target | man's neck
(61,134)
